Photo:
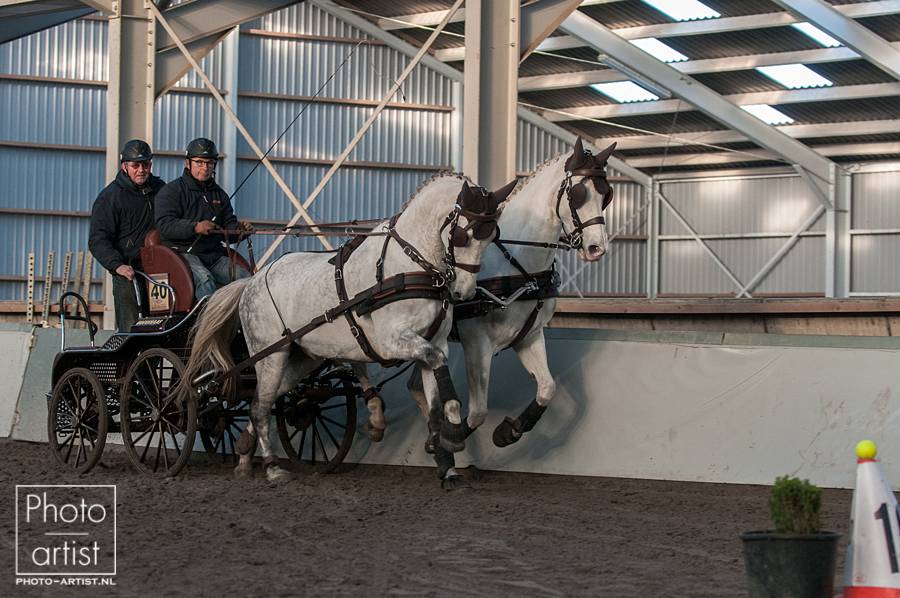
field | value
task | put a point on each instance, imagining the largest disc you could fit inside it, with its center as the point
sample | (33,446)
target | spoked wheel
(219,428)
(317,421)
(78,421)
(157,428)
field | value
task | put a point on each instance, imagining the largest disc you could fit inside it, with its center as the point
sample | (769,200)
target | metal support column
(837,236)
(230,48)
(651,196)
(492,41)
(130,95)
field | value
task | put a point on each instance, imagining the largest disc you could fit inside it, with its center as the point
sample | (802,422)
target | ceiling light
(794,76)
(817,34)
(625,92)
(683,10)
(659,50)
(767,114)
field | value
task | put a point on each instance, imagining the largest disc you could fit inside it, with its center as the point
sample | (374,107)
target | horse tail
(211,336)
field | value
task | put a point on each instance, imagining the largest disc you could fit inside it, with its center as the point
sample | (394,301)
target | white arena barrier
(680,406)
(15,341)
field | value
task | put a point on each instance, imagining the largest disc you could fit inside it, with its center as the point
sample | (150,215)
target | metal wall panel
(74,50)
(619,272)
(874,264)
(41,180)
(181,117)
(875,200)
(57,114)
(301,67)
(322,133)
(535,146)
(685,268)
(875,206)
(749,205)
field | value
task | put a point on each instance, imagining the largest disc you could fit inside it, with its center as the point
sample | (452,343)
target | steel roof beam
(16,26)
(706,100)
(868,127)
(538,20)
(706,26)
(756,155)
(693,67)
(408,49)
(788,96)
(862,39)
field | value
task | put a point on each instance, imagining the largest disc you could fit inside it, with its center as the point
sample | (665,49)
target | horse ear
(603,157)
(465,194)
(503,192)
(577,158)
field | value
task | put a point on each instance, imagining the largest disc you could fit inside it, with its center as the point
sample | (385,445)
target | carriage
(125,386)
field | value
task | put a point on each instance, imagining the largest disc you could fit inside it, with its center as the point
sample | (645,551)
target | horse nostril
(457,295)
(595,250)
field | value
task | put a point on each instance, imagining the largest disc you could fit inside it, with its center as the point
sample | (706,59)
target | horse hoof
(277,475)
(431,443)
(374,434)
(452,446)
(454,482)
(505,434)
(243,472)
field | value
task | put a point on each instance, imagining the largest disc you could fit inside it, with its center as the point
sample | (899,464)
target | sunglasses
(207,163)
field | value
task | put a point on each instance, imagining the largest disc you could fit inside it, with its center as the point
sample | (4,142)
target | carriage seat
(166,264)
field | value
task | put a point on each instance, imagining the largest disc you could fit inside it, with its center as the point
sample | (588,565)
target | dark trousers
(125,302)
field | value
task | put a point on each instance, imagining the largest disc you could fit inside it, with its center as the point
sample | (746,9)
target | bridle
(483,225)
(577,195)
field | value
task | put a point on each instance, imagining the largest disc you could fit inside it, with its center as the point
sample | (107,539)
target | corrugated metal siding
(402,136)
(301,67)
(875,206)
(752,205)
(740,206)
(45,113)
(75,50)
(873,260)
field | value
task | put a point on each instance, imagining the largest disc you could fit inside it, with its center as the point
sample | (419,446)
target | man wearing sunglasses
(191,207)
(120,219)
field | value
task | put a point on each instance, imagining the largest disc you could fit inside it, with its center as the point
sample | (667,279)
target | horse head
(473,227)
(587,193)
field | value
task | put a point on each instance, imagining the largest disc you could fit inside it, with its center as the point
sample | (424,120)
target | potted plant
(795,560)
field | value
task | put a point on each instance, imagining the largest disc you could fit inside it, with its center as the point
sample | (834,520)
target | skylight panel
(625,92)
(659,50)
(817,34)
(794,76)
(684,10)
(767,114)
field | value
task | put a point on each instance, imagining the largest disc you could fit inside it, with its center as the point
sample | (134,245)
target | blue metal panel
(323,131)
(58,114)
(181,117)
(37,179)
(75,50)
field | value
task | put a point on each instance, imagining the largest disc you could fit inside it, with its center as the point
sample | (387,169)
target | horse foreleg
(417,391)
(478,354)
(376,424)
(533,355)
(435,388)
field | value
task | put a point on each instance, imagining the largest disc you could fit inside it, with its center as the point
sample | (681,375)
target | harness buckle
(355,331)
(329,316)
(439,280)
(338,274)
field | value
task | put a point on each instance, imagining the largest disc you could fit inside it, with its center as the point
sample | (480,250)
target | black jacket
(121,216)
(183,203)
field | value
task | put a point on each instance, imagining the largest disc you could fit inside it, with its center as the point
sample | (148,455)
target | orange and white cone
(873,557)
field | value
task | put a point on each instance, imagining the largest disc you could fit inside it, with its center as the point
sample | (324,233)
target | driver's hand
(126,271)
(204,226)
(246,226)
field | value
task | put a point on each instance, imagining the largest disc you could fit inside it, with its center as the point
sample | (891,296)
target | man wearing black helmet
(189,208)
(121,216)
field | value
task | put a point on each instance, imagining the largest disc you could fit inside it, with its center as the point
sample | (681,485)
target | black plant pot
(790,565)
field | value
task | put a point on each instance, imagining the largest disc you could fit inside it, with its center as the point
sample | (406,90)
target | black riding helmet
(202,148)
(136,150)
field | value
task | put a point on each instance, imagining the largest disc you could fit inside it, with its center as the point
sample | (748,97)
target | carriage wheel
(78,421)
(157,428)
(220,428)
(316,423)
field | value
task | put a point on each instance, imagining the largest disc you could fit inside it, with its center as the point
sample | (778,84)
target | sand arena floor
(391,531)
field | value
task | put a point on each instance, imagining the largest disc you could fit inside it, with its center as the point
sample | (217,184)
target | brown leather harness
(540,286)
